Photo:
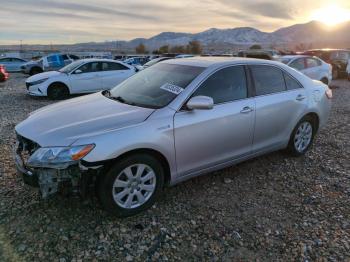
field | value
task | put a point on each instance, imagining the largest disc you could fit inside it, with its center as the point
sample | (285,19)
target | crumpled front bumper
(74,179)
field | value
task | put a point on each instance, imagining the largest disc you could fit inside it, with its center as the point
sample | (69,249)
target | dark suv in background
(338,58)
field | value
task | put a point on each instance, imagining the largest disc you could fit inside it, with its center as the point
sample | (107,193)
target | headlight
(38,82)
(58,157)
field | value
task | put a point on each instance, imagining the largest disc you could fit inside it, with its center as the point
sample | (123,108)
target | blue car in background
(50,62)
(12,64)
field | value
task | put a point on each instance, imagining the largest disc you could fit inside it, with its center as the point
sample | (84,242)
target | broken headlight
(58,157)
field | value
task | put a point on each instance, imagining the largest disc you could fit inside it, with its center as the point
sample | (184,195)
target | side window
(5,60)
(291,83)
(267,79)
(65,57)
(51,59)
(298,64)
(109,66)
(90,67)
(311,62)
(225,85)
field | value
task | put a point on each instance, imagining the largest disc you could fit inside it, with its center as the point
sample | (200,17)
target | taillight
(329,93)
(2,69)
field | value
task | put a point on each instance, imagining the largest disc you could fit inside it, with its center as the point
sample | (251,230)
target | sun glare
(331,15)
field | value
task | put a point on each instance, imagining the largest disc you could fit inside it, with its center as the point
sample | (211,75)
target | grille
(26,148)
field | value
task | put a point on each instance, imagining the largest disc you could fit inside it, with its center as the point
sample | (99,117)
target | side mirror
(200,102)
(78,71)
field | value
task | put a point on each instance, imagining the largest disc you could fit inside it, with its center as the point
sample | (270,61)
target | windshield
(156,86)
(71,66)
(285,60)
(153,62)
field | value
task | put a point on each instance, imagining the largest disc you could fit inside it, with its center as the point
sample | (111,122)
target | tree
(178,49)
(255,47)
(194,47)
(141,49)
(164,49)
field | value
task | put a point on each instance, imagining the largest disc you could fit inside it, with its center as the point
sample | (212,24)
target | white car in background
(82,76)
(311,66)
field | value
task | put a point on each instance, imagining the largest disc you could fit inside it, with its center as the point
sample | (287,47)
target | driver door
(86,78)
(204,138)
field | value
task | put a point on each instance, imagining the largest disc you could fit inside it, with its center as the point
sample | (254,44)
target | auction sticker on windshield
(172,88)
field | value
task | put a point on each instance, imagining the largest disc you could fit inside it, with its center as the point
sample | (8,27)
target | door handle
(300,97)
(246,109)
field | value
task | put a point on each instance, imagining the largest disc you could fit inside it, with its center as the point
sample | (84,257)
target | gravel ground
(272,208)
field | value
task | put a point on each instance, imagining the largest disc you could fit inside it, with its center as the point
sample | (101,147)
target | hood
(32,62)
(42,76)
(61,124)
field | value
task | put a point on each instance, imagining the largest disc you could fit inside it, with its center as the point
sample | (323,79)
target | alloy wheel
(303,136)
(134,186)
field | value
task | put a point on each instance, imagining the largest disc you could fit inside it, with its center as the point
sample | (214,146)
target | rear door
(86,78)
(280,101)
(204,138)
(113,73)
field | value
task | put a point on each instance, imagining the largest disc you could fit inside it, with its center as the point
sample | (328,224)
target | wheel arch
(155,153)
(59,83)
(314,116)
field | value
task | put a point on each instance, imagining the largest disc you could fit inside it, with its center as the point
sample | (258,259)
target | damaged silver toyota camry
(168,123)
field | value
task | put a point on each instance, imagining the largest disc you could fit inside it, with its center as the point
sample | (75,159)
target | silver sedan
(170,122)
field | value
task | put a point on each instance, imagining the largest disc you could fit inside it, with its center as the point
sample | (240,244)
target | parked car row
(175,120)
(338,58)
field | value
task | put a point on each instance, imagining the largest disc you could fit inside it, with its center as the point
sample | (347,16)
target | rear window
(267,79)
(291,83)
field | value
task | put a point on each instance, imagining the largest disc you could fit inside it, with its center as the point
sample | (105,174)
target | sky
(63,21)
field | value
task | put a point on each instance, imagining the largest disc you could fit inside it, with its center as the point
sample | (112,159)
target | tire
(119,193)
(35,70)
(325,81)
(57,91)
(301,138)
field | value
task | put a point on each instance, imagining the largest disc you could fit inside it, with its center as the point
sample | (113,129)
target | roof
(294,56)
(217,61)
(98,60)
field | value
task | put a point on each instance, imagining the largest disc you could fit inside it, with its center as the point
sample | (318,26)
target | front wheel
(132,185)
(302,137)
(57,91)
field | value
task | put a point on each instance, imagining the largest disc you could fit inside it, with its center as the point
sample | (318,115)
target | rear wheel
(302,136)
(57,91)
(132,185)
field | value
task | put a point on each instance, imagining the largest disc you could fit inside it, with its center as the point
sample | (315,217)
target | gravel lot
(273,208)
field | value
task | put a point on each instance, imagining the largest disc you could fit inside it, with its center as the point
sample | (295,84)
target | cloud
(272,9)
(67,21)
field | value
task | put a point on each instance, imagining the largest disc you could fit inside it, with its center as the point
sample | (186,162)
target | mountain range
(313,34)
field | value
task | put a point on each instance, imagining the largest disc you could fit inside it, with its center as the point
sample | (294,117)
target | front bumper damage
(76,179)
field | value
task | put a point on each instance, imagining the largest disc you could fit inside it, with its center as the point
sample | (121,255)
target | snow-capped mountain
(312,32)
